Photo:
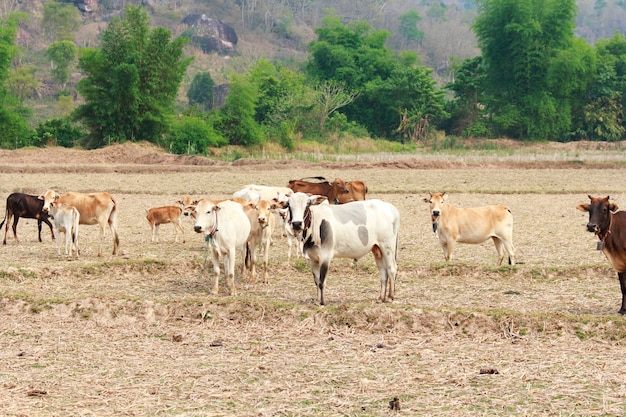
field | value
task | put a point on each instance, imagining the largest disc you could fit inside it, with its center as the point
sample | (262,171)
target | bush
(57,132)
(192,136)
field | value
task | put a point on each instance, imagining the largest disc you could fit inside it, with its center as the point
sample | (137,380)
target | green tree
(193,135)
(62,54)
(131,83)
(201,90)
(408,26)
(23,82)
(355,56)
(60,21)
(236,116)
(14,131)
(519,39)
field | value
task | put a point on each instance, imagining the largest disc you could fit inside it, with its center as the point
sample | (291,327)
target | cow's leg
(15,220)
(39,229)
(216,271)
(179,226)
(622,284)
(266,257)
(499,248)
(75,239)
(510,249)
(59,243)
(46,221)
(448,247)
(229,271)
(6,229)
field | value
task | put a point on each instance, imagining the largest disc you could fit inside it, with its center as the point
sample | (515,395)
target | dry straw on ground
(140,334)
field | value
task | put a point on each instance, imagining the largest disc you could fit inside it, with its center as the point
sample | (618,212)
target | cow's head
(48,197)
(299,212)
(599,209)
(340,193)
(206,217)
(188,204)
(436,201)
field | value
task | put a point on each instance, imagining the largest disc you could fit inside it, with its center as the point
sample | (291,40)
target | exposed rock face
(219,95)
(211,35)
(86,6)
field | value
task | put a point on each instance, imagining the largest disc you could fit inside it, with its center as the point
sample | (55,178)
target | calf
(94,208)
(188,204)
(260,237)
(66,220)
(347,231)
(471,225)
(157,216)
(226,228)
(609,225)
(26,206)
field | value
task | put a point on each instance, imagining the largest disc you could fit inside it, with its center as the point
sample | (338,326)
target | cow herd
(323,220)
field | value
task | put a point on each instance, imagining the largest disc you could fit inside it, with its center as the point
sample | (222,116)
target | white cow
(348,230)
(266,192)
(471,225)
(226,228)
(289,233)
(66,220)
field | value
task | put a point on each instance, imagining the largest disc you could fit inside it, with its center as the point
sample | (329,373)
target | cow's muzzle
(592,227)
(197,229)
(296,225)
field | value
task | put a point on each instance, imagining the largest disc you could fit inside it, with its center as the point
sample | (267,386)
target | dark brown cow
(610,226)
(26,206)
(337,192)
(357,189)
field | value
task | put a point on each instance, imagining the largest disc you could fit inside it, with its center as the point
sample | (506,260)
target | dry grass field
(139,334)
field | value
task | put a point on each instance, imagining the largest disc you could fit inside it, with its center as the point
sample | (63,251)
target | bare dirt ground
(139,333)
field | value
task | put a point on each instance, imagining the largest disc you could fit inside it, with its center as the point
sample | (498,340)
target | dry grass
(139,333)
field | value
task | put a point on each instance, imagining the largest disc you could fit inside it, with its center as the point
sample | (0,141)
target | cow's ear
(582,207)
(613,207)
(426,200)
(180,202)
(317,199)
(41,197)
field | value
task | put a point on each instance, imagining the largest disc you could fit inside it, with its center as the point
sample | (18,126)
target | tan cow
(188,204)
(66,219)
(94,208)
(157,216)
(262,224)
(471,225)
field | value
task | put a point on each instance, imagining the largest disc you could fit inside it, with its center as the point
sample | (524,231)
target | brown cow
(157,216)
(610,226)
(95,208)
(188,205)
(336,192)
(28,207)
(357,189)
(471,225)
(260,214)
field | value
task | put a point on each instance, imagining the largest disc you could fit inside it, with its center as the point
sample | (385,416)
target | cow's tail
(6,213)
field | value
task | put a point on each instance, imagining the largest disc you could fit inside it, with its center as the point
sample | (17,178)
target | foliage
(60,21)
(237,116)
(14,131)
(519,40)
(408,26)
(193,135)
(355,56)
(62,54)
(131,82)
(201,90)
(57,132)
(23,83)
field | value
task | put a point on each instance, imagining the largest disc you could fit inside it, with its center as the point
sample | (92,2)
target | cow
(157,216)
(609,225)
(188,204)
(94,208)
(357,190)
(289,233)
(263,192)
(66,219)
(347,231)
(471,225)
(226,228)
(26,206)
(262,224)
(336,192)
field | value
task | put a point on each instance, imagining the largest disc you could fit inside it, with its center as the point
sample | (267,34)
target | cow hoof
(622,312)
